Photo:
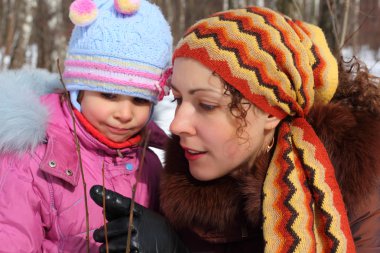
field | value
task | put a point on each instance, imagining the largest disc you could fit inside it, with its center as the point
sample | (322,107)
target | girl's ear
(271,122)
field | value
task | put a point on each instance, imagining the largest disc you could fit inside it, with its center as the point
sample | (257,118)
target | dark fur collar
(215,205)
(351,138)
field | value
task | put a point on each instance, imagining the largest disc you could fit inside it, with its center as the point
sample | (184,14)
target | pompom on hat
(282,66)
(83,12)
(118,46)
(127,6)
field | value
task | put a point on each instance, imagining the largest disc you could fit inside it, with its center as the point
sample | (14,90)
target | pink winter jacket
(42,204)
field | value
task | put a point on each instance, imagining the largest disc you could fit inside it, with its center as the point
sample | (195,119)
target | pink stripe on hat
(106,67)
(89,76)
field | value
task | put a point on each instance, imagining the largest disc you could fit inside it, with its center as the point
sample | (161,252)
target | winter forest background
(35,32)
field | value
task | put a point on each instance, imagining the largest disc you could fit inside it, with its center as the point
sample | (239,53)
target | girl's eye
(140,101)
(109,96)
(178,100)
(207,107)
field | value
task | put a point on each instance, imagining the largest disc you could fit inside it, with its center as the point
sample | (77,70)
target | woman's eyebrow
(192,91)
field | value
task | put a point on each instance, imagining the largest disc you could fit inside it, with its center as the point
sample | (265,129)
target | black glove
(150,231)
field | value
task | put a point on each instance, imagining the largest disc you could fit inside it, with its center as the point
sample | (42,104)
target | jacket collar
(66,168)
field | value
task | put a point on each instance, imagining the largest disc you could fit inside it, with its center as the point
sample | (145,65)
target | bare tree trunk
(169,10)
(290,8)
(346,12)
(11,26)
(40,30)
(355,41)
(260,2)
(177,13)
(66,30)
(230,4)
(58,40)
(315,11)
(225,4)
(26,14)
(51,33)
(327,21)
(182,18)
(2,21)
(51,28)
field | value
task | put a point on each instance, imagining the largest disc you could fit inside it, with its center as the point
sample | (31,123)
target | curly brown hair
(238,107)
(358,89)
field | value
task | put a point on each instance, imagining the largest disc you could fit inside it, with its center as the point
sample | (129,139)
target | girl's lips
(117,130)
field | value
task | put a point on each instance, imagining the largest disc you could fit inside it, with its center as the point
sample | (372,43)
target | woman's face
(206,127)
(117,117)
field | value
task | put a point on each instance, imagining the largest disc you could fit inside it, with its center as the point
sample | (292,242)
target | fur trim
(23,118)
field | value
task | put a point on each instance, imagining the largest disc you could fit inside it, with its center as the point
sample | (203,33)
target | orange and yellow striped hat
(282,66)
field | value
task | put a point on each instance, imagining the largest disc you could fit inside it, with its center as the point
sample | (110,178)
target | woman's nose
(183,121)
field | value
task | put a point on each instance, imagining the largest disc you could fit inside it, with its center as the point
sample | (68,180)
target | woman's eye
(109,96)
(140,101)
(207,107)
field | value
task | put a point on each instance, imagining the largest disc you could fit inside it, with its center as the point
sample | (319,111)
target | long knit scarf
(282,66)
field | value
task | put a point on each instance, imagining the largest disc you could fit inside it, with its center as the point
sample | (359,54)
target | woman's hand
(150,231)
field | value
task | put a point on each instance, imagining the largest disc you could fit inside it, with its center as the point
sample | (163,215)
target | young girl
(114,72)
(270,152)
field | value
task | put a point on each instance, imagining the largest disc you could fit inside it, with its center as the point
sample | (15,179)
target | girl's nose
(183,122)
(124,111)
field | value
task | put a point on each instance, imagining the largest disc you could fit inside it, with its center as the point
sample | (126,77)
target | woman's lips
(193,155)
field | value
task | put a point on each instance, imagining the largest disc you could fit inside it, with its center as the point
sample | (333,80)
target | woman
(268,153)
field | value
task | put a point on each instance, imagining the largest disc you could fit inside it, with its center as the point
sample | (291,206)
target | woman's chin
(201,175)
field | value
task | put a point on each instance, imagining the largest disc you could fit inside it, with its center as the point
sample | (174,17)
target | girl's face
(206,127)
(117,117)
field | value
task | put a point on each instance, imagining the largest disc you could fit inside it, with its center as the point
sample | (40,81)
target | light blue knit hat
(120,47)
